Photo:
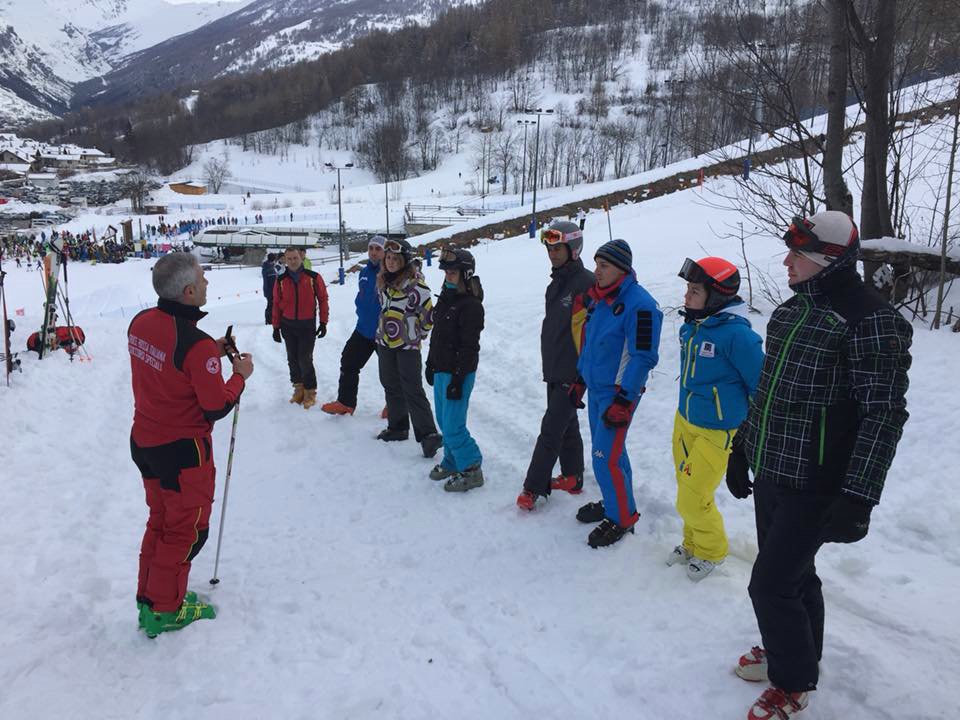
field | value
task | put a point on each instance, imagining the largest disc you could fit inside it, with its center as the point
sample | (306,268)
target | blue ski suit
(620,345)
(368,301)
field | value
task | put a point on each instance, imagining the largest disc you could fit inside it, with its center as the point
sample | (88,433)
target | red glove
(575,392)
(619,413)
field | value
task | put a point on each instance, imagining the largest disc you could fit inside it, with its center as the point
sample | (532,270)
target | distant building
(9,156)
(189,187)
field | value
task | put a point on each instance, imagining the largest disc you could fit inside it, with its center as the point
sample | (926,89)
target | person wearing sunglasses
(406,317)
(720,359)
(361,345)
(621,338)
(452,368)
(559,437)
(820,435)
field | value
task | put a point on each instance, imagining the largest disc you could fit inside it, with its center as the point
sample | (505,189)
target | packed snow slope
(354,587)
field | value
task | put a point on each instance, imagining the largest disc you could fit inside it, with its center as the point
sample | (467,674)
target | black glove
(455,389)
(847,520)
(276,335)
(428,374)
(576,391)
(321,329)
(738,473)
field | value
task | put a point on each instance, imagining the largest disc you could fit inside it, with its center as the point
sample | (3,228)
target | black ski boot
(591,512)
(607,533)
(390,435)
(430,444)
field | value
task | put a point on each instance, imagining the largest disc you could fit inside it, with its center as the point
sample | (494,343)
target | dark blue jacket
(720,362)
(368,301)
(269,272)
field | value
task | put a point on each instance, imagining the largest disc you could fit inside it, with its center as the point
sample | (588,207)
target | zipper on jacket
(781,361)
(696,351)
(716,399)
(686,373)
(823,430)
(296,300)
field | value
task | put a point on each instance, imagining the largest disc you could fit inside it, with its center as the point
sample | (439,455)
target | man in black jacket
(820,436)
(559,350)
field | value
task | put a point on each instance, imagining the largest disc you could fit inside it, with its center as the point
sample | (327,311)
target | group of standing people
(816,418)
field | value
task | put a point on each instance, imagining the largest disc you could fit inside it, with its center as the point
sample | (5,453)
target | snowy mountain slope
(250,38)
(354,587)
(159,21)
(47,45)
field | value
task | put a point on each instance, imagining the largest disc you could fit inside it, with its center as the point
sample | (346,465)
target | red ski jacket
(299,300)
(178,391)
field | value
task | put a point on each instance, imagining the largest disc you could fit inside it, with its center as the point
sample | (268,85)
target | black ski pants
(355,355)
(559,438)
(401,374)
(784,587)
(299,341)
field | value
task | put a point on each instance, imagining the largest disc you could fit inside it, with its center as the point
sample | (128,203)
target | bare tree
(834,186)
(216,171)
(946,211)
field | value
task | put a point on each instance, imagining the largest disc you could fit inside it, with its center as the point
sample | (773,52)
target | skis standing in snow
(362,344)
(299,294)
(720,360)
(820,435)
(560,336)
(178,393)
(48,330)
(452,368)
(621,338)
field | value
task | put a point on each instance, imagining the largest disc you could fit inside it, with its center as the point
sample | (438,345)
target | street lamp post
(523,172)
(539,112)
(386,197)
(338,168)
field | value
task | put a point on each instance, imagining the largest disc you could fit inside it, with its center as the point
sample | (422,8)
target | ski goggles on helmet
(392,246)
(801,237)
(692,272)
(551,237)
(449,254)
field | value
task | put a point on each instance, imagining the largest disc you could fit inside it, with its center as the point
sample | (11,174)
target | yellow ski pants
(700,460)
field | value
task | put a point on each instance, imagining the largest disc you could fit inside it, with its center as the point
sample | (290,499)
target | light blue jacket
(621,340)
(720,361)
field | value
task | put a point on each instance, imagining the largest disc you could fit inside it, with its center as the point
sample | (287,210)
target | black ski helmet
(566,233)
(454,258)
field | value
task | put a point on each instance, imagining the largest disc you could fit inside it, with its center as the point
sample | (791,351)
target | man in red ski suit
(178,394)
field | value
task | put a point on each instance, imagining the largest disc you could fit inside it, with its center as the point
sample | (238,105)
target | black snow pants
(559,438)
(299,341)
(784,587)
(355,355)
(402,379)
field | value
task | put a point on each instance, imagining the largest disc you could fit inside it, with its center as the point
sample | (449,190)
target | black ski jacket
(457,324)
(830,407)
(559,350)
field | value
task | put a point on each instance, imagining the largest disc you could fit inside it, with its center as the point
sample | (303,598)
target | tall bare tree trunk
(876,45)
(946,211)
(834,186)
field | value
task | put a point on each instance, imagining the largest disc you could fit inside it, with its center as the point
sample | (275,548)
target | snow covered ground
(354,587)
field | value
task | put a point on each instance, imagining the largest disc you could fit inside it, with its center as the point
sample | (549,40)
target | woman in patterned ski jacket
(406,317)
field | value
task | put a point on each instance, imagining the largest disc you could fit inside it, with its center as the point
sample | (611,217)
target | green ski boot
(155,623)
(190,597)
(470,478)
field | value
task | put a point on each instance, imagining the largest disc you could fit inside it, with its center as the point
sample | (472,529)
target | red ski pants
(178,479)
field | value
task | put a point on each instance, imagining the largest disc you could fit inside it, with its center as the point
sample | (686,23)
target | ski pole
(606,206)
(231,348)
